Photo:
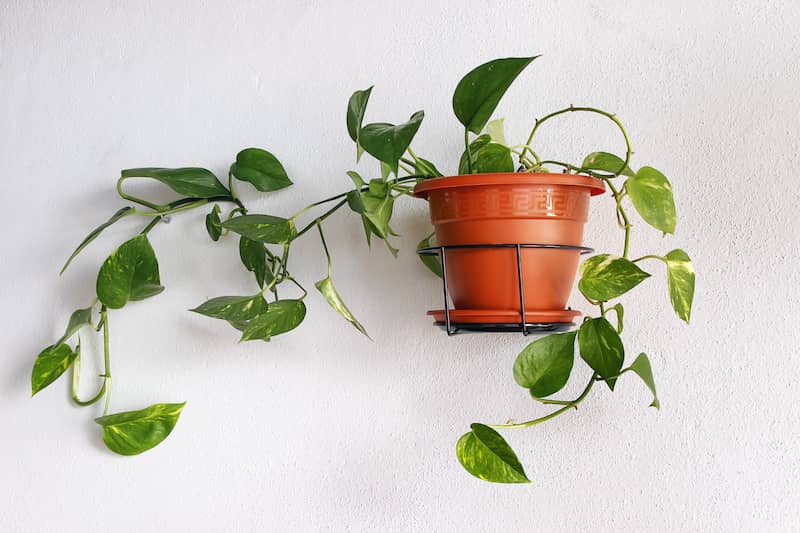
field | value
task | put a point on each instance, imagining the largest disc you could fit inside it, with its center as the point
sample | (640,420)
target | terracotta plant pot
(510,208)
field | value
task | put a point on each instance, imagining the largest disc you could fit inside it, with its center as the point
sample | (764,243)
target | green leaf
(387,142)
(261,169)
(680,279)
(78,319)
(192,182)
(425,168)
(641,366)
(49,365)
(125,211)
(496,130)
(332,296)
(620,312)
(478,93)
(254,258)
(213,224)
(233,308)
(378,213)
(129,273)
(474,147)
(605,276)
(281,316)
(601,348)
(134,432)
(651,194)
(605,162)
(544,365)
(486,455)
(493,158)
(356,107)
(433,262)
(262,228)
(357,179)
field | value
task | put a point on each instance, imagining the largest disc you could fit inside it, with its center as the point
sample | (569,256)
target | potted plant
(494,200)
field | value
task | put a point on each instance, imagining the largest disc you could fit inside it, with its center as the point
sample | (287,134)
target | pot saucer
(488,316)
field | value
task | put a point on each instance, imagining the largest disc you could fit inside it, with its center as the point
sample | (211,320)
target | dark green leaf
(641,366)
(486,455)
(261,169)
(49,365)
(425,168)
(262,228)
(254,258)
(387,142)
(433,262)
(474,147)
(356,107)
(192,182)
(125,211)
(605,162)
(544,365)
(493,158)
(651,194)
(233,308)
(213,224)
(129,273)
(680,279)
(78,319)
(605,276)
(478,93)
(134,432)
(332,296)
(281,316)
(601,348)
(355,202)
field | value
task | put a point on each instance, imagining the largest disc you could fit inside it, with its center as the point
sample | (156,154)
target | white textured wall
(322,429)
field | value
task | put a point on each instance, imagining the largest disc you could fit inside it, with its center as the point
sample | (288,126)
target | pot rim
(595,185)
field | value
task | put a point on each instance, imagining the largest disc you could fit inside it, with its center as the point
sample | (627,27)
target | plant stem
(320,218)
(134,198)
(469,153)
(76,376)
(106,358)
(569,405)
(649,257)
(152,224)
(324,246)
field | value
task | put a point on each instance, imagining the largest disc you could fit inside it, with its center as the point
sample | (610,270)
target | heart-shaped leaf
(262,228)
(356,107)
(332,296)
(125,211)
(433,262)
(478,93)
(601,348)
(680,279)
(134,432)
(651,194)
(281,316)
(254,258)
(213,224)
(49,365)
(78,319)
(474,147)
(486,455)
(496,130)
(261,169)
(544,365)
(233,308)
(605,276)
(493,158)
(387,142)
(605,162)
(192,182)
(129,273)
(641,366)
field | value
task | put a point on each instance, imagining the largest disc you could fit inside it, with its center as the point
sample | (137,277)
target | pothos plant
(277,304)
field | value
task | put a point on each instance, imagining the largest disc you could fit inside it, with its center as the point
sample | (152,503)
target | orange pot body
(510,208)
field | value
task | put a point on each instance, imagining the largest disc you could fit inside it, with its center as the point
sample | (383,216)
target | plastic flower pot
(510,208)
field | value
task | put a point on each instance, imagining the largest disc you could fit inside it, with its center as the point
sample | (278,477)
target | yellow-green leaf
(134,432)
(332,296)
(129,273)
(601,348)
(605,276)
(486,455)
(641,366)
(651,194)
(49,365)
(680,279)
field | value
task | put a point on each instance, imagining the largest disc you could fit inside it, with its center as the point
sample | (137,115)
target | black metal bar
(434,250)
(444,283)
(521,292)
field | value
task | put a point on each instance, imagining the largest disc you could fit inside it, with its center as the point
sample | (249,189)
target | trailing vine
(278,302)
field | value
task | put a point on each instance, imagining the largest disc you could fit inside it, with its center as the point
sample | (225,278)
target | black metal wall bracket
(524,326)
